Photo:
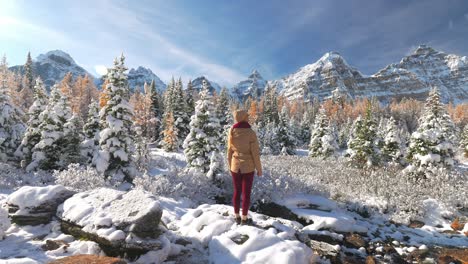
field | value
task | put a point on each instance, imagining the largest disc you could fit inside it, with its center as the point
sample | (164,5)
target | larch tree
(431,146)
(84,92)
(322,140)
(32,136)
(204,136)
(11,124)
(169,140)
(116,143)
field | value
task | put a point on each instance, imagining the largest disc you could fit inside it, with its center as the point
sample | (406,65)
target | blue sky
(226,40)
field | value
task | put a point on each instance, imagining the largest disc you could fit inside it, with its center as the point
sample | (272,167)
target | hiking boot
(248,221)
(238,219)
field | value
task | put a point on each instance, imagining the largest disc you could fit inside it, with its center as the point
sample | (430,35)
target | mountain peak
(423,49)
(255,75)
(57,56)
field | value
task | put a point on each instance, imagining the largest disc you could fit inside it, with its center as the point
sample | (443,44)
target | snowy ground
(207,233)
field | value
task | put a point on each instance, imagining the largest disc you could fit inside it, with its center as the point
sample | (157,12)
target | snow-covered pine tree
(464,141)
(270,106)
(169,141)
(32,136)
(26,92)
(269,143)
(47,153)
(362,146)
(322,139)
(205,133)
(304,126)
(285,137)
(190,96)
(431,145)
(392,143)
(91,130)
(223,113)
(180,111)
(71,146)
(157,108)
(116,142)
(141,149)
(11,125)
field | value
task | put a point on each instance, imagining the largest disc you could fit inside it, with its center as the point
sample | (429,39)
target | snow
(28,197)
(262,246)
(109,206)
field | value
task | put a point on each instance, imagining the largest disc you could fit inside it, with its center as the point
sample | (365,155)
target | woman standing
(243,154)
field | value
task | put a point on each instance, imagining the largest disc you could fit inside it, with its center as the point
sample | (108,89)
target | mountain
(137,78)
(53,66)
(212,86)
(412,77)
(254,85)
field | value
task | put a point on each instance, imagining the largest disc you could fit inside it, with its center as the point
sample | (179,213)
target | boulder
(122,223)
(36,205)
(84,259)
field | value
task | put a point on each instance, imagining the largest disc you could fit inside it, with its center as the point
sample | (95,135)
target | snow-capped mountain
(212,86)
(137,78)
(53,66)
(412,77)
(254,85)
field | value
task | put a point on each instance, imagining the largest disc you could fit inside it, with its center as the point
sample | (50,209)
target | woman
(243,155)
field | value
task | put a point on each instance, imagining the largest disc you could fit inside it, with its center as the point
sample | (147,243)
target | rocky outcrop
(412,77)
(197,84)
(36,205)
(141,75)
(122,223)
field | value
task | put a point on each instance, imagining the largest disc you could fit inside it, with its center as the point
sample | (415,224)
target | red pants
(242,184)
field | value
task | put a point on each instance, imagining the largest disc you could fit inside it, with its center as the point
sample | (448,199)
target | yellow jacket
(243,151)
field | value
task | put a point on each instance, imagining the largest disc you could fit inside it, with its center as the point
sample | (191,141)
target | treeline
(109,128)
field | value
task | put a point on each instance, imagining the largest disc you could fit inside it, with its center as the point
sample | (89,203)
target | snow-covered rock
(120,222)
(412,77)
(53,66)
(4,222)
(270,240)
(253,86)
(36,205)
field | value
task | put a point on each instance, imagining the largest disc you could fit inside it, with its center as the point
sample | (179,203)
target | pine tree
(362,146)
(270,106)
(392,142)
(91,130)
(32,136)
(322,140)
(72,139)
(464,141)
(11,124)
(26,92)
(169,140)
(142,157)
(431,146)
(304,126)
(180,111)
(190,95)
(285,137)
(223,113)
(204,136)
(116,142)
(48,152)
(157,108)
